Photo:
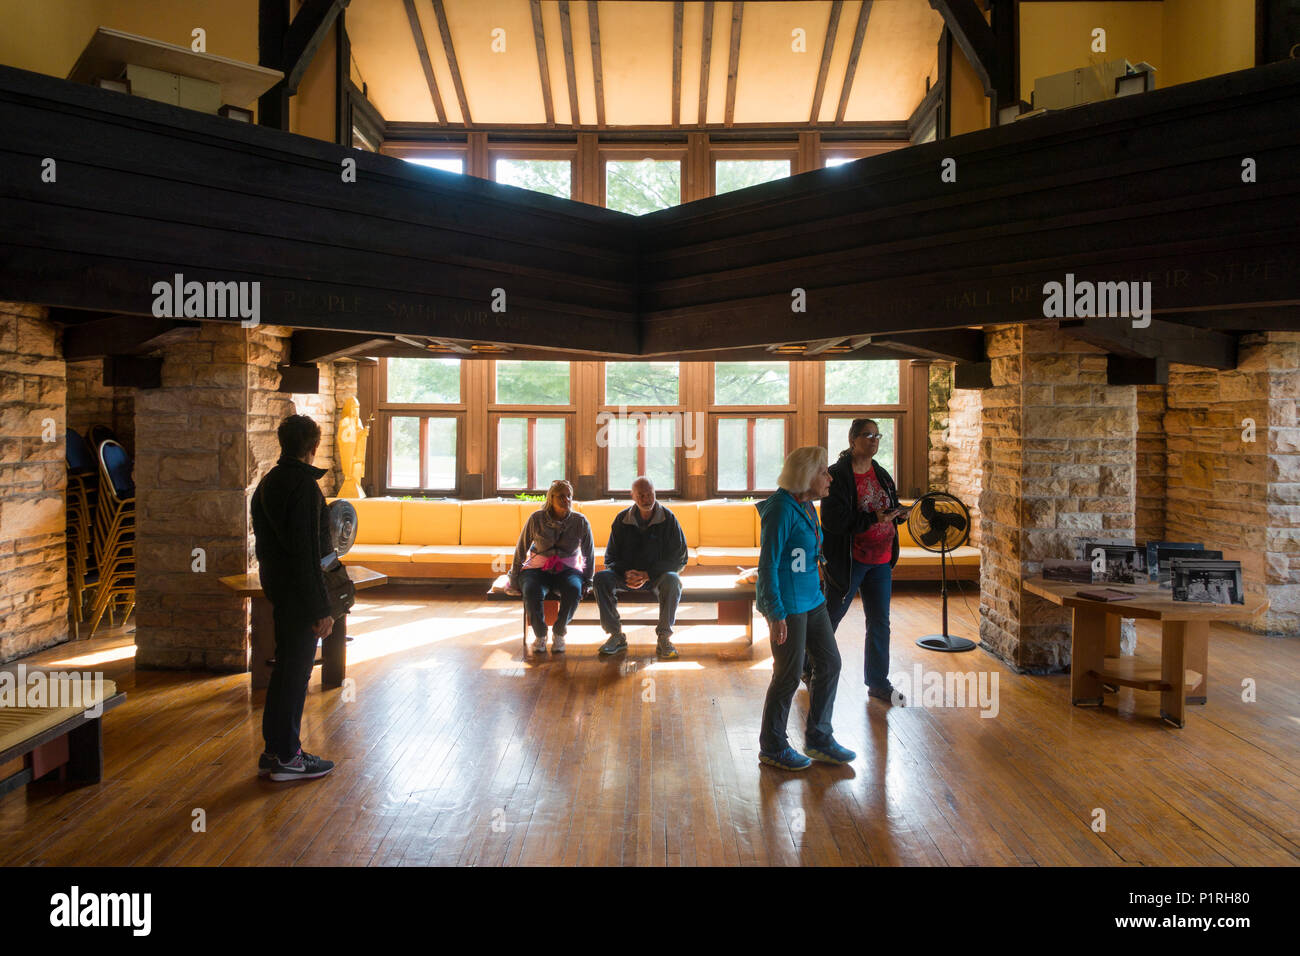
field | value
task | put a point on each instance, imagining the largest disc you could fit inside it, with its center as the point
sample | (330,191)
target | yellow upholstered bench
(56,738)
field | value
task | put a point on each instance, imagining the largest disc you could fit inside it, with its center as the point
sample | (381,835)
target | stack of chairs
(82,498)
(114,533)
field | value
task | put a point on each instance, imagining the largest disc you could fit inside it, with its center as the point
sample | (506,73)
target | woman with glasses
(555,553)
(858,518)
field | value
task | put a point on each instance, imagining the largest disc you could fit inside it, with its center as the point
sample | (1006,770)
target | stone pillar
(91,402)
(940,391)
(345,386)
(1234,469)
(206,439)
(965,469)
(33,482)
(1149,513)
(1058,450)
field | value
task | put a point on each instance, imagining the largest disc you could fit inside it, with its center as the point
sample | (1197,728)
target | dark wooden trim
(597,71)
(444,29)
(307,32)
(678,13)
(943,120)
(851,68)
(953,345)
(272,28)
(926,112)
(733,59)
(566,37)
(417,34)
(364,115)
(543,67)
(828,48)
(132,371)
(119,335)
(1131,370)
(973,35)
(972,375)
(882,130)
(706,54)
(318,345)
(342,79)
(1185,344)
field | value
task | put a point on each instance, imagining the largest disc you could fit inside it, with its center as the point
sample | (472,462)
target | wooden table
(1184,641)
(333,649)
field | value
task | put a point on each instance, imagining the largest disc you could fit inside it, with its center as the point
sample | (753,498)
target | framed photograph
(1206,581)
(1079,572)
(1115,562)
(1160,553)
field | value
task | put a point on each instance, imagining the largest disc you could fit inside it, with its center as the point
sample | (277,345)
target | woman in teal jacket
(790,596)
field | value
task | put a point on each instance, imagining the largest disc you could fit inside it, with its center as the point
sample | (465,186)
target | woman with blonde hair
(789,595)
(555,553)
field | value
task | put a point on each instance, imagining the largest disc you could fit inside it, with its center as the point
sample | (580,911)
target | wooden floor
(456,751)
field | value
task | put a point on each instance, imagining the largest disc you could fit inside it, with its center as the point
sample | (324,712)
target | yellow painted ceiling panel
(775,83)
(636,48)
(897,54)
(501,87)
(387,59)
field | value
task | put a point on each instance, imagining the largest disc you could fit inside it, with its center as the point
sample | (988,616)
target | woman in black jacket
(861,546)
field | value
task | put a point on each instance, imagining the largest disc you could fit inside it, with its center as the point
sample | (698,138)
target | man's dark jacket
(291,525)
(656,548)
(842,519)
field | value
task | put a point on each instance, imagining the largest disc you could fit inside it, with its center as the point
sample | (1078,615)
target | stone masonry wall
(1149,516)
(33,482)
(90,402)
(345,387)
(1059,452)
(965,469)
(940,391)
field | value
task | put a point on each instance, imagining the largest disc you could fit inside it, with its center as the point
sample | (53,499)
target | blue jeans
(874,582)
(534,583)
(808,633)
(667,588)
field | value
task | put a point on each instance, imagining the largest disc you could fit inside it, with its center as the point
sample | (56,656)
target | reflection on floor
(453,748)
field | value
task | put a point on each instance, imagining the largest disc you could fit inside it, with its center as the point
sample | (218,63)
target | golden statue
(352,437)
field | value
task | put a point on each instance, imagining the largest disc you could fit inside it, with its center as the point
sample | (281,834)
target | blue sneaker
(787,759)
(830,752)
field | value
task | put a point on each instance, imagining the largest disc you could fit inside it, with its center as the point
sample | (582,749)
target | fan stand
(944,641)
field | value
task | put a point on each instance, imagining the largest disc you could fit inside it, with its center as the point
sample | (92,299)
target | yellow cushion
(728,557)
(727,524)
(905,537)
(430,522)
(379,520)
(493,521)
(18,724)
(688,516)
(361,553)
(601,515)
(965,556)
(465,554)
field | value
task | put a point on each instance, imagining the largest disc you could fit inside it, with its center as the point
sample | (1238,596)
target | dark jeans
(295,653)
(667,588)
(874,582)
(809,633)
(534,583)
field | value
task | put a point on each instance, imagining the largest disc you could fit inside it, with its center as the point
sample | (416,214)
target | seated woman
(555,553)
(790,597)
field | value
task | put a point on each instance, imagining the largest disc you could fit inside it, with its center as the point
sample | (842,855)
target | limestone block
(191,468)
(25,517)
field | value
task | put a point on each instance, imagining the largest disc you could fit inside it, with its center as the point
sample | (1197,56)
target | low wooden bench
(735,601)
(54,738)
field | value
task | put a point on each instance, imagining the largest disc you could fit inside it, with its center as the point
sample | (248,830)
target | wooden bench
(54,738)
(735,601)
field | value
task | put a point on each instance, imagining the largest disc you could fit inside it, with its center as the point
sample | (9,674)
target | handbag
(340,592)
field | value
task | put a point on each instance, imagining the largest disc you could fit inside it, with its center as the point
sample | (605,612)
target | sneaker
(539,646)
(830,752)
(888,694)
(303,766)
(665,650)
(617,642)
(787,759)
(557,641)
(265,763)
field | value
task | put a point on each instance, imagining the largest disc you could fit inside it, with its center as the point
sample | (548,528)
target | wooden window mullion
(751,430)
(531,479)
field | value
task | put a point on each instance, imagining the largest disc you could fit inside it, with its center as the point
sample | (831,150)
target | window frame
(430,151)
(494,451)
(548,153)
(602,452)
(631,152)
(900,414)
(386,411)
(756,412)
(750,151)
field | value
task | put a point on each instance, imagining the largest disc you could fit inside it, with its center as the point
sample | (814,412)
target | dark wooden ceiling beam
(597,73)
(417,34)
(543,68)
(1282,317)
(953,345)
(272,28)
(444,29)
(973,36)
(828,48)
(851,68)
(307,346)
(678,14)
(706,54)
(733,60)
(306,34)
(1185,344)
(118,335)
(570,74)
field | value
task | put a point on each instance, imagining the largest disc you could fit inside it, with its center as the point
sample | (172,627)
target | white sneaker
(539,647)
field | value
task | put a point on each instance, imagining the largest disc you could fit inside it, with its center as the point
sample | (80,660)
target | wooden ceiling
(494,63)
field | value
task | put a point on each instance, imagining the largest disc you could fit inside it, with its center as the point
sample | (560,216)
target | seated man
(646,549)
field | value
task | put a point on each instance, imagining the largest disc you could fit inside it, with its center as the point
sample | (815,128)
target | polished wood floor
(456,750)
